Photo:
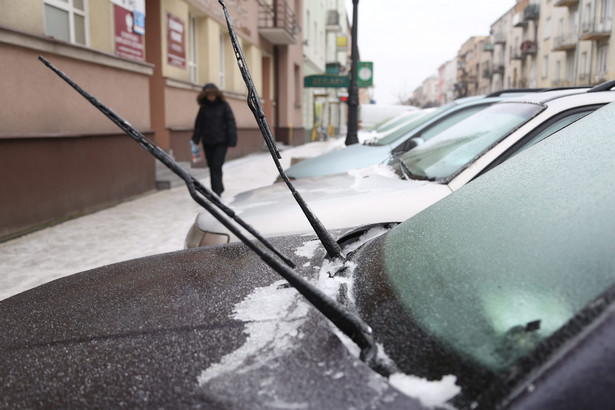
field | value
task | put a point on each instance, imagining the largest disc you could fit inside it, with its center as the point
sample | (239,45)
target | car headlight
(197,238)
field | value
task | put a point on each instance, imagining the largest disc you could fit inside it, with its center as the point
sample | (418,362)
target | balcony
(499,37)
(528,48)
(596,30)
(498,69)
(565,3)
(487,73)
(531,12)
(488,47)
(277,23)
(518,20)
(333,21)
(565,42)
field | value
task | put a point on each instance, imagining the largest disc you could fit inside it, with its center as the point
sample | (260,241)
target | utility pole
(353,88)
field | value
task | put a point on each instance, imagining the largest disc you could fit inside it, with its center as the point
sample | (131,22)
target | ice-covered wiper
(330,245)
(350,324)
(197,191)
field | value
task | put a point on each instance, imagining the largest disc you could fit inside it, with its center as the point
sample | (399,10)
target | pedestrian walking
(215,128)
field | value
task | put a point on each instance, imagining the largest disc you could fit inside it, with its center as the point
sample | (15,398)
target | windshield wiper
(196,189)
(330,245)
(345,320)
(407,173)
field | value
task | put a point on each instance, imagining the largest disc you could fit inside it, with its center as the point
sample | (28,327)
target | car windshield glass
(416,122)
(510,258)
(453,149)
(397,121)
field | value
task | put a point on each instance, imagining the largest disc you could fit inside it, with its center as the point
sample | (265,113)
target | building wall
(65,158)
(59,155)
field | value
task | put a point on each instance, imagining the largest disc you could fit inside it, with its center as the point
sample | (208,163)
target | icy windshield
(414,124)
(504,262)
(449,152)
(401,119)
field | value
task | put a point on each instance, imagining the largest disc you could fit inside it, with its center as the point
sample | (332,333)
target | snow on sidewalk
(151,224)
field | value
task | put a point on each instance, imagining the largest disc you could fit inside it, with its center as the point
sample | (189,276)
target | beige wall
(102,30)
(28,16)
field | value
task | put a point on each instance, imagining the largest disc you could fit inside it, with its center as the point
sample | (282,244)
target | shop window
(67,20)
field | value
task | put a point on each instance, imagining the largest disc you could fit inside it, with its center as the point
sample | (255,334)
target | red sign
(128,44)
(176,44)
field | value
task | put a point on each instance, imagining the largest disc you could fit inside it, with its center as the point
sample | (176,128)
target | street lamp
(353,89)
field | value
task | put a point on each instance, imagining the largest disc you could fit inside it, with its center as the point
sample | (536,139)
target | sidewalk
(154,223)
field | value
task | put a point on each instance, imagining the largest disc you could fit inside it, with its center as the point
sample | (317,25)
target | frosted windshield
(449,152)
(508,259)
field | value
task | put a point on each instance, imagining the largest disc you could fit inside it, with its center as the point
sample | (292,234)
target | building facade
(147,60)
(539,43)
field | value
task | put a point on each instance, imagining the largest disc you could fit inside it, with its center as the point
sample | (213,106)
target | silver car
(413,180)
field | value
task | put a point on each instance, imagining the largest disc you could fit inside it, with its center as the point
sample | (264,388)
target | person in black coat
(215,128)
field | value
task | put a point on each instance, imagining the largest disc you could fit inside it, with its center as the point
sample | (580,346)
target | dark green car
(500,295)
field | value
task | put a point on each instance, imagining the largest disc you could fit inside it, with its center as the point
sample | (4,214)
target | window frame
(69,7)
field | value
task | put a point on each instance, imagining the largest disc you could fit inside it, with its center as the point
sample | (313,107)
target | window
(547,33)
(193,58)
(67,20)
(545,66)
(602,59)
(570,67)
(584,64)
(222,65)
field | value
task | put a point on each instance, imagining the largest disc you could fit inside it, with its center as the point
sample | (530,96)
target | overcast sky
(409,39)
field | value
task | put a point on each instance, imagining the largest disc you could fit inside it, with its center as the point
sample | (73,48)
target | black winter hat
(210,86)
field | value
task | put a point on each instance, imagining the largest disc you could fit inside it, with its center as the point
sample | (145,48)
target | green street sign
(365,74)
(326,81)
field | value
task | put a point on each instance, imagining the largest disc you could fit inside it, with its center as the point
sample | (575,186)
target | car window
(558,125)
(550,127)
(396,122)
(415,124)
(450,120)
(446,154)
(406,129)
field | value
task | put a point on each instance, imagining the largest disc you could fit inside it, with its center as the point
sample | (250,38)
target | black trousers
(214,154)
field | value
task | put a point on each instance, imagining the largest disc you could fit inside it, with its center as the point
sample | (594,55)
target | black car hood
(167,330)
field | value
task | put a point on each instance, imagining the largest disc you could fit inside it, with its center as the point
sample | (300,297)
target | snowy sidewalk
(154,223)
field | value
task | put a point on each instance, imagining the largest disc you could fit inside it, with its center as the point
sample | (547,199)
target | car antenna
(196,189)
(349,323)
(330,245)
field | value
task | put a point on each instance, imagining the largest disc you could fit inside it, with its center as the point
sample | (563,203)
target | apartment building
(540,43)
(147,60)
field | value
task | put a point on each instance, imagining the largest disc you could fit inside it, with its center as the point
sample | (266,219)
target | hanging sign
(176,41)
(128,44)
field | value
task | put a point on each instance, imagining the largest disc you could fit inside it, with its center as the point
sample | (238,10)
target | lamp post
(353,89)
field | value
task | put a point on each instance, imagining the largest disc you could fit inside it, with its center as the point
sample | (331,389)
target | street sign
(365,74)
(326,81)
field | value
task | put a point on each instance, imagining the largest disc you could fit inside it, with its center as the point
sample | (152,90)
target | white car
(413,180)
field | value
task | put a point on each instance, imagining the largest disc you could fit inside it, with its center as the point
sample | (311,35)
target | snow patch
(308,249)
(273,315)
(430,393)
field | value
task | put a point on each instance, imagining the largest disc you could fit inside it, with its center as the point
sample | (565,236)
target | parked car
(392,124)
(419,178)
(501,295)
(377,150)
(371,115)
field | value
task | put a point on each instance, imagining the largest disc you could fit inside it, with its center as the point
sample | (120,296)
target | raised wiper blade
(350,324)
(194,186)
(330,245)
